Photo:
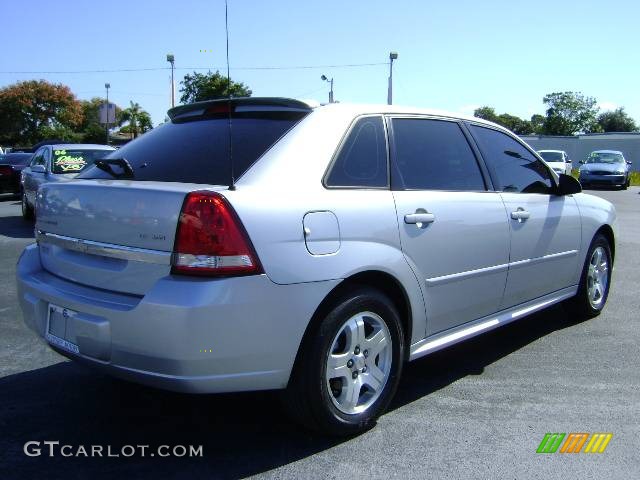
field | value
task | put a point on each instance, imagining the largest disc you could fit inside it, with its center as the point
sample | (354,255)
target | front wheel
(349,368)
(27,211)
(595,280)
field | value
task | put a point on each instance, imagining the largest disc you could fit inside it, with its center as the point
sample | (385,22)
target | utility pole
(392,56)
(171,60)
(106,125)
(324,77)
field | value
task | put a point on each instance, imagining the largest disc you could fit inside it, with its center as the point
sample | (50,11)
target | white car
(558,160)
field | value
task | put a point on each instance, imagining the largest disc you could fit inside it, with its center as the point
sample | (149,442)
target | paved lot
(477,410)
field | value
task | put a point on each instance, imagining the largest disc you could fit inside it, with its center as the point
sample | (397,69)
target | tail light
(211,240)
(6,170)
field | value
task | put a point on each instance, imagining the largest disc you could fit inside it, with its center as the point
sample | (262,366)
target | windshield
(551,156)
(74,161)
(605,157)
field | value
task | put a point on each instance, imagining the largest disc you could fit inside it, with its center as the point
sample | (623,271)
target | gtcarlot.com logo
(53,448)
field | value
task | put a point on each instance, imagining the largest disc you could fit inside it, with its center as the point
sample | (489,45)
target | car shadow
(16,227)
(240,434)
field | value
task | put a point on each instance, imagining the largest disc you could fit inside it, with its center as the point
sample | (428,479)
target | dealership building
(579,146)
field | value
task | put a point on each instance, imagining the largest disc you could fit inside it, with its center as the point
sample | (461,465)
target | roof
(607,151)
(281,103)
(554,151)
(80,146)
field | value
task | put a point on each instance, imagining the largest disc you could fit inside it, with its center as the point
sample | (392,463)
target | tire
(593,290)
(328,403)
(27,210)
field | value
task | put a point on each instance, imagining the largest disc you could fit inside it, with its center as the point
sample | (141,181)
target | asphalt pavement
(476,410)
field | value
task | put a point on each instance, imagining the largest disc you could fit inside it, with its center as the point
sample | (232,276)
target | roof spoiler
(248,104)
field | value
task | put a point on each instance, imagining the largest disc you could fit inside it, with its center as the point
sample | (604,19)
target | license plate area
(58,324)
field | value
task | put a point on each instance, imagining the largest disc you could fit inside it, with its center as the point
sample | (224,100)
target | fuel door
(321,232)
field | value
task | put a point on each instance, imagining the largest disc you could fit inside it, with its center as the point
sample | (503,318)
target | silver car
(266,243)
(605,168)
(56,163)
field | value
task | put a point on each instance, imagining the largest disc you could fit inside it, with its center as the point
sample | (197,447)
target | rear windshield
(74,161)
(551,156)
(195,149)
(16,158)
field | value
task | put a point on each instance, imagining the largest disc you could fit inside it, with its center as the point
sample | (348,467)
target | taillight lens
(5,170)
(211,239)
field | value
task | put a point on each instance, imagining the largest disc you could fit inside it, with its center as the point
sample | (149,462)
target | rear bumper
(186,334)
(10,184)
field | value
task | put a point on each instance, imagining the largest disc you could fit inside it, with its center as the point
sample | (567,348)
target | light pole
(106,125)
(171,59)
(392,57)
(324,77)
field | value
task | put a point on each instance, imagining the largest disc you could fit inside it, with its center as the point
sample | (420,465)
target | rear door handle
(520,214)
(422,218)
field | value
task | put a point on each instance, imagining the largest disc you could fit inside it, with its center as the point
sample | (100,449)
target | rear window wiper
(107,164)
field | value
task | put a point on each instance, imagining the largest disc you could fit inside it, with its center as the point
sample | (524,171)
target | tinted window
(16,158)
(74,161)
(514,168)
(196,149)
(362,160)
(38,158)
(433,155)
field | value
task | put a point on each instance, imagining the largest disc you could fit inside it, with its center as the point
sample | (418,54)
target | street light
(106,125)
(324,77)
(392,56)
(171,59)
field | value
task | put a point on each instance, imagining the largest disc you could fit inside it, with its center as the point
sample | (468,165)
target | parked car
(11,166)
(605,168)
(56,163)
(558,160)
(316,253)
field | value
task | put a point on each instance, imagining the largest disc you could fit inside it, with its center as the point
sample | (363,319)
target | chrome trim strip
(464,275)
(105,249)
(533,261)
(471,329)
(496,268)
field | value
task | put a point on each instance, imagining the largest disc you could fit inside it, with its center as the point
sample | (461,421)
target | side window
(433,155)
(515,168)
(45,158)
(37,158)
(362,160)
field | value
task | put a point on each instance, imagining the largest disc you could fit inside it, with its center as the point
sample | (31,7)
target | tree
(515,124)
(617,121)
(35,110)
(537,123)
(139,120)
(91,130)
(209,86)
(486,113)
(569,113)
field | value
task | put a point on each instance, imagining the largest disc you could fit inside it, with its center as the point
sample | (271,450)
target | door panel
(461,256)
(544,246)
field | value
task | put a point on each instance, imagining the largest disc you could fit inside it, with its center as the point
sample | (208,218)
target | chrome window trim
(104,249)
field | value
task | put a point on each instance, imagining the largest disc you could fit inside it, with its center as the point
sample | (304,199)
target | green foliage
(139,121)
(617,121)
(537,123)
(36,110)
(197,87)
(569,113)
(90,129)
(515,124)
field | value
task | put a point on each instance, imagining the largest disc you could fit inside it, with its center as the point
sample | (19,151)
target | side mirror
(569,160)
(568,185)
(629,162)
(38,169)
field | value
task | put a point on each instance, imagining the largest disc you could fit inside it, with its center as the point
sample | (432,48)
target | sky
(452,55)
